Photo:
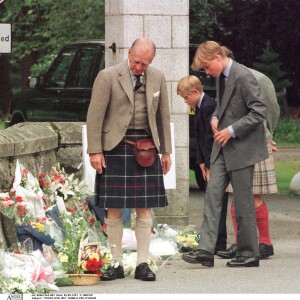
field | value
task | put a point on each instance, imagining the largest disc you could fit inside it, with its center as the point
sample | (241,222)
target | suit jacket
(112,107)
(203,131)
(242,107)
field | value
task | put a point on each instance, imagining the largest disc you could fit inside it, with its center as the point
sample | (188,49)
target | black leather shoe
(199,257)
(113,273)
(228,253)
(242,261)
(144,273)
(220,248)
(265,250)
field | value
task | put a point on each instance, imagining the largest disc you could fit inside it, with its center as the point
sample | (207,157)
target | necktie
(222,87)
(138,83)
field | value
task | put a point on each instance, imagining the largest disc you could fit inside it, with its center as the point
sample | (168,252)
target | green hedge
(287,132)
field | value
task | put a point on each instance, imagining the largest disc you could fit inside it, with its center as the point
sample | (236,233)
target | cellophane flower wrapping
(32,267)
(188,238)
(163,241)
(27,186)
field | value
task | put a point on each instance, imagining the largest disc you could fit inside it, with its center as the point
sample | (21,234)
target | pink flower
(24,172)
(7,203)
(57,178)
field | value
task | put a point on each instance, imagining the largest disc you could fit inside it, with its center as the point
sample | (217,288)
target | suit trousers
(247,241)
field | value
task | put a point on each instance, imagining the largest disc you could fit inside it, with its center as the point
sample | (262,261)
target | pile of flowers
(53,205)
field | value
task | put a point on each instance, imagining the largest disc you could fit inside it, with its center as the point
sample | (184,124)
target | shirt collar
(228,68)
(200,100)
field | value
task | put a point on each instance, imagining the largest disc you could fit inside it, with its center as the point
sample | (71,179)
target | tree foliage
(245,25)
(41,27)
(206,19)
(268,63)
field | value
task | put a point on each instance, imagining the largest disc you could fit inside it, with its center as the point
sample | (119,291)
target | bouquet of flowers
(61,186)
(27,186)
(20,285)
(188,239)
(97,262)
(13,206)
(81,226)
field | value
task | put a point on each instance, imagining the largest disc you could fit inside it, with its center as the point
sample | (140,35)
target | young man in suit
(191,90)
(264,179)
(239,142)
(129,101)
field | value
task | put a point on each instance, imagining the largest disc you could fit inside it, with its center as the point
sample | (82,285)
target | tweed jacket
(112,107)
(244,108)
(269,96)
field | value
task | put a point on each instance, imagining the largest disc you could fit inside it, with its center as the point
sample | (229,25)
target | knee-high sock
(262,223)
(232,211)
(143,238)
(114,229)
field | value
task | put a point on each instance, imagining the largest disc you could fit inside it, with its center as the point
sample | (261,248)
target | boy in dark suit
(191,90)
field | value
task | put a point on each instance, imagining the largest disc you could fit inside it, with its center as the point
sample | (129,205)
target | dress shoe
(242,261)
(112,273)
(265,250)
(199,257)
(144,273)
(228,253)
(221,247)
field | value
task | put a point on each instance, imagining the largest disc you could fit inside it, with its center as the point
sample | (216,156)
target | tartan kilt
(264,177)
(124,183)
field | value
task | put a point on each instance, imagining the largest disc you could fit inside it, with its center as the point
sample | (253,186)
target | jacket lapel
(149,87)
(125,81)
(228,89)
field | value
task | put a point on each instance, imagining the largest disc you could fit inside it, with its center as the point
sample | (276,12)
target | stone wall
(39,146)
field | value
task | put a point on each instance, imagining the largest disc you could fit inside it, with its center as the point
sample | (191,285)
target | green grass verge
(285,171)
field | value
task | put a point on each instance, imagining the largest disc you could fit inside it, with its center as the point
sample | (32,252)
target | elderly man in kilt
(129,103)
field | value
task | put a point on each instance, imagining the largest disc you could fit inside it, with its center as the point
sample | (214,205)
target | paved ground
(277,275)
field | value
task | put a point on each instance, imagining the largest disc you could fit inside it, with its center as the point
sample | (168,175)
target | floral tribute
(188,239)
(53,206)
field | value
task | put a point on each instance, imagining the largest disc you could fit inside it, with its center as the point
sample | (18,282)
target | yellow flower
(40,227)
(83,266)
(63,257)
(94,255)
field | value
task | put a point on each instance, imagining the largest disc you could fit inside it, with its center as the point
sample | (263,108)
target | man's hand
(274,148)
(205,172)
(214,125)
(202,167)
(97,161)
(166,163)
(222,137)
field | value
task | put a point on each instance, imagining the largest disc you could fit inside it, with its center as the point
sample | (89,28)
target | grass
(285,171)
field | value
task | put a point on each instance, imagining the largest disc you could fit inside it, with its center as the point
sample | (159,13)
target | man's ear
(218,57)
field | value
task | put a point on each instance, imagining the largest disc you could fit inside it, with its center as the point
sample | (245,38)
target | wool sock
(143,238)
(262,223)
(114,230)
(232,211)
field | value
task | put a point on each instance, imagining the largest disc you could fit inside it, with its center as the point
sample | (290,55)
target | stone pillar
(167,24)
